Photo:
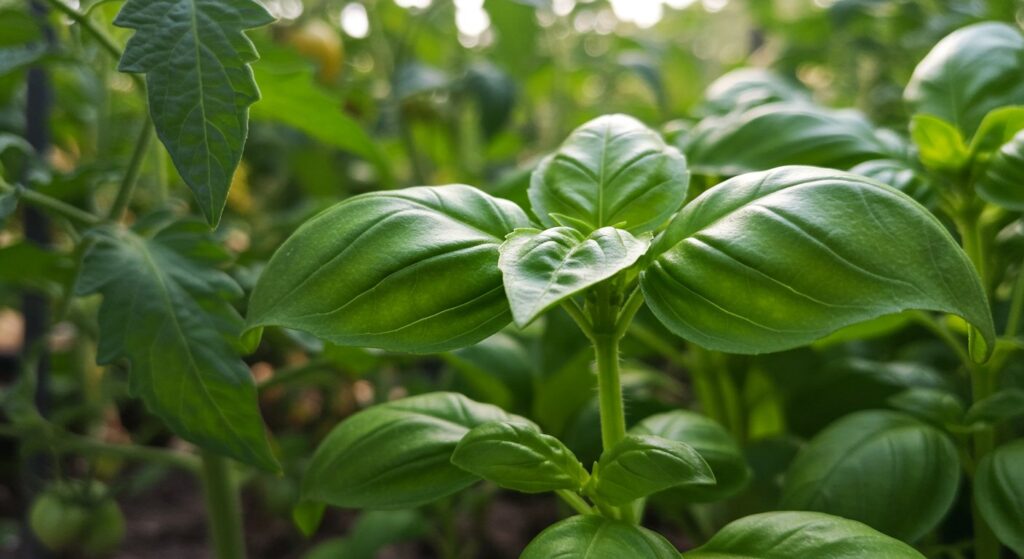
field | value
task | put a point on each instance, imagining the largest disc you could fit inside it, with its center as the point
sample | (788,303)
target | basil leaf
(788,535)
(999,492)
(1001,406)
(1003,182)
(595,537)
(998,127)
(166,310)
(396,455)
(641,465)
(542,268)
(8,203)
(940,145)
(968,73)
(196,60)
(519,457)
(774,260)
(782,134)
(714,444)
(746,88)
(899,175)
(931,404)
(874,466)
(407,270)
(613,171)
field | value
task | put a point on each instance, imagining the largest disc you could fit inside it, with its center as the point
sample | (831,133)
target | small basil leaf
(595,537)
(396,455)
(931,404)
(611,170)
(874,466)
(940,145)
(968,73)
(998,127)
(782,134)
(427,263)
(746,88)
(196,59)
(714,444)
(542,268)
(1003,182)
(899,175)
(1001,406)
(774,260)
(999,492)
(789,535)
(307,516)
(641,465)
(517,456)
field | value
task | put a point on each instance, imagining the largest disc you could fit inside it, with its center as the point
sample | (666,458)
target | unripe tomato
(103,531)
(320,42)
(80,517)
(56,522)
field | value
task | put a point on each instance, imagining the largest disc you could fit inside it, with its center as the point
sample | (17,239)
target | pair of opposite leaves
(762,262)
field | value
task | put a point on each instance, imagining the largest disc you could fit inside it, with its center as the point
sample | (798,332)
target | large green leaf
(405,270)
(773,260)
(542,268)
(517,456)
(970,72)
(166,310)
(777,134)
(396,455)
(714,444)
(746,88)
(789,535)
(196,60)
(641,465)
(999,493)
(612,171)
(874,466)
(1003,181)
(595,537)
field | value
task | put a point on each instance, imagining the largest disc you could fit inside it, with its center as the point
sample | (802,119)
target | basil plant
(762,262)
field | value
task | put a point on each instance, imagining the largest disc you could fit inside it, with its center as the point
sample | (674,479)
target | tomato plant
(745,282)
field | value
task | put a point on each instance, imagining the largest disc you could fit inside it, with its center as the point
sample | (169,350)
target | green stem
(131,176)
(579,317)
(575,501)
(50,203)
(1016,305)
(224,516)
(105,41)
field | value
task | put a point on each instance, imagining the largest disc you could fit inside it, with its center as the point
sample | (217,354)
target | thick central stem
(609,388)
(224,517)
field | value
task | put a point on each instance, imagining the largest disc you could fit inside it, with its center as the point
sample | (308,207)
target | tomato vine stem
(224,517)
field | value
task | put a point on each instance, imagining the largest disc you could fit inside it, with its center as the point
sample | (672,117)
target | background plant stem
(224,518)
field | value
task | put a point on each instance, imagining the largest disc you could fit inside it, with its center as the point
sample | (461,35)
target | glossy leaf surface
(745,88)
(874,466)
(968,73)
(166,309)
(1006,404)
(773,260)
(542,268)
(939,144)
(1003,182)
(782,134)
(396,455)
(641,465)
(999,493)
(196,60)
(788,535)
(612,171)
(406,270)
(519,457)
(714,444)
(595,537)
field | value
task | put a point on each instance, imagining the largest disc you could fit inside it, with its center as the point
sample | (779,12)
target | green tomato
(56,522)
(103,531)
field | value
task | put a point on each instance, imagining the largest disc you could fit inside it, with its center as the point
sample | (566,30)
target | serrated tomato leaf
(774,260)
(166,309)
(196,60)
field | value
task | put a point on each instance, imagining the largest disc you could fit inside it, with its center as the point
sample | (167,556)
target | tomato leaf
(641,465)
(196,60)
(970,72)
(787,535)
(397,455)
(612,171)
(542,268)
(595,537)
(519,457)
(874,466)
(166,310)
(999,492)
(774,260)
(407,270)
(714,444)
